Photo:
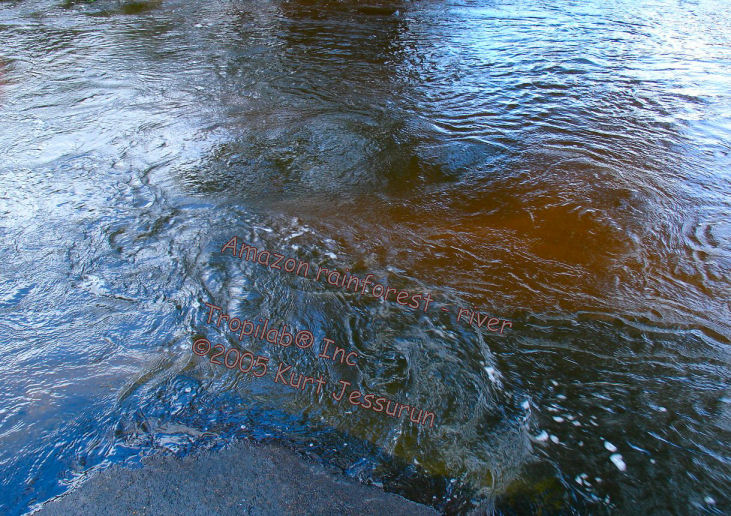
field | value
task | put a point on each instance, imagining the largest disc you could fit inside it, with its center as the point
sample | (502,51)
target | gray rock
(245,478)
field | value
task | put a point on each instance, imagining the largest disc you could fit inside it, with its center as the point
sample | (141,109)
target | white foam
(491,374)
(609,446)
(616,458)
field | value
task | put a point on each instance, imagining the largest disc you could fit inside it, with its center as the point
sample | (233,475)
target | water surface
(563,165)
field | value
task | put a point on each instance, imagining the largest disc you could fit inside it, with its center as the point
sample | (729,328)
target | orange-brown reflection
(523,242)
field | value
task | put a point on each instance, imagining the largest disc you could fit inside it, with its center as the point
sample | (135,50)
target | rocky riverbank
(246,478)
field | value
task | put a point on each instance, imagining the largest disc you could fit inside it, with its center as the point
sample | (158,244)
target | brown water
(562,165)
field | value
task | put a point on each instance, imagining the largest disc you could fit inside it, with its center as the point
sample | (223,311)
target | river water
(563,165)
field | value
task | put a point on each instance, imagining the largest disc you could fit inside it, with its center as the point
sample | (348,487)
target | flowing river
(561,165)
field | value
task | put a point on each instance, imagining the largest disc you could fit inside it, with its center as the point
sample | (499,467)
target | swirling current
(564,165)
